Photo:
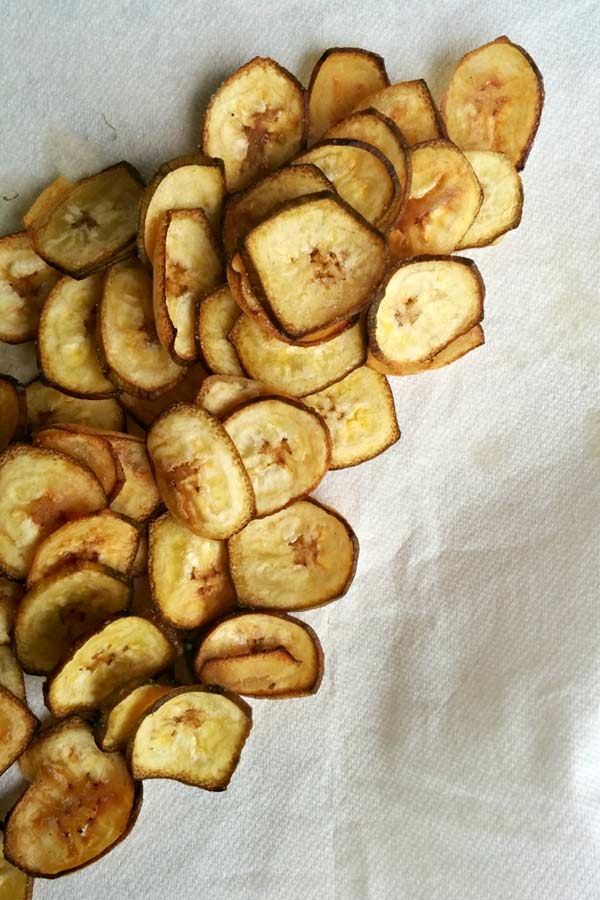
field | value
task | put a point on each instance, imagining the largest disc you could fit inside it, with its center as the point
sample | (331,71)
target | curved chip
(11,675)
(221,394)
(244,210)
(340,80)
(261,655)
(296,370)
(285,448)
(187,264)
(13,411)
(426,305)
(137,361)
(102,662)
(138,498)
(360,415)
(189,575)
(494,100)
(93,224)
(191,735)
(301,557)
(502,198)
(217,314)
(10,594)
(255,121)
(25,282)
(445,197)
(119,722)
(17,725)
(14,884)
(92,450)
(410,106)
(39,490)
(144,410)
(47,406)
(67,339)
(80,802)
(199,472)
(61,607)
(102,537)
(456,349)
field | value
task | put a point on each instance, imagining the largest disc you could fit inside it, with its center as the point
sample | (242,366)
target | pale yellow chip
(502,198)
(25,282)
(410,106)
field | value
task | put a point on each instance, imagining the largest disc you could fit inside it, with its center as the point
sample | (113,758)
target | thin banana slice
(17,725)
(285,448)
(39,490)
(199,472)
(340,80)
(410,106)
(137,361)
(47,406)
(217,314)
(10,595)
(191,735)
(25,282)
(261,655)
(13,411)
(67,346)
(92,450)
(187,264)
(93,224)
(221,394)
(494,100)
(247,208)
(292,369)
(360,415)
(426,305)
(445,197)
(502,198)
(120,721)
(189,575)
(79,804)
(11,674)
(14,884)
(103,538)
(303,556)
(255,122)
(144,411)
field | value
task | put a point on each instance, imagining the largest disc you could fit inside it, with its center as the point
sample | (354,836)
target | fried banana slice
(25,282)
(53,194)
(187,264)
(48,406)
(284,446)
(93,224)
(221,394)
(261,655)
(502,198)
(456,349)
(39,490)
(189,575)
(17,725)
(296,370)
(494,100)
(136,359)
(10,595)
(120,721)
(13,411)
(14,884)
(255,121)
(67,346)
(445,197)
(410,106)
(217,314)
(245,209)
(144,411)
(340,80)
(199,472)
(92,450)
(301,557)
(79,804)
(11,674)
(360,415)
(191,735)
(426,305)
(102,537)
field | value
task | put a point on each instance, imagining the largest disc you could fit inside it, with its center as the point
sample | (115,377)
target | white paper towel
(453,751)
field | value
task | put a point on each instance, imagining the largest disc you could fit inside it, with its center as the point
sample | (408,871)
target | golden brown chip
(48,406)
(217,314)
(25,282)
(144,411)
(14,884)
(13,412)
(11,675)
(10,594)
(410,106)
(139,498)
(92,450)
(17,725)
(502,198)
(221,394)
(119,721)
(456,349)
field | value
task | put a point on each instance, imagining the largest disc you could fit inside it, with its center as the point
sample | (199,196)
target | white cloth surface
(453,750)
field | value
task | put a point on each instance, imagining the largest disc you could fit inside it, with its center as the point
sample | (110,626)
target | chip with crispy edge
(217,314)
(221,394)
(47,406)
(17,725)
(25,282)
(13,411)
(92,450)
(144,411)
(410,106)
(456,349)
(118,722)
(502,198)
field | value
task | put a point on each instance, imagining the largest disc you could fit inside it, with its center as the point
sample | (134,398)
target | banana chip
(261,655)
(255,122)
(119,722)
(144,411)
(456,349)
(25,282)
(13,411)
(285,448)
(17,725)
(502,198)
(191,735)
(138,498)
(217,314)
(11,674)
(92,450)
(221,394)
(47,406)
(303,556)
(10,594)
(410,106)
(14,884)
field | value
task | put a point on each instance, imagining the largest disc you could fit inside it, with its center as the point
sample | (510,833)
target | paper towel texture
(453,751)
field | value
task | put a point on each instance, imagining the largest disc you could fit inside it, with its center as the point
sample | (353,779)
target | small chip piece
(144,411)
(61,607)
(118,723)
(93,224)
(301,557)
(410,106)
(25,282)
(88,448)
(102,662)
(47,406)
(187,264)
(191,735)
(494,100)
(11,675)
(17,725)
(79,804)
(221,394)
(67,339)
(14,884)
(255,121)
(502,198)
(284,446)
(217,314)
(359,413)
(426,305)
(199,472)
(13,412)
(189,575)
(10,595)
(261,655)
(342,78)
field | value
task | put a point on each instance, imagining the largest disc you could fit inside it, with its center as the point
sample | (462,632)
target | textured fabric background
(453,751)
